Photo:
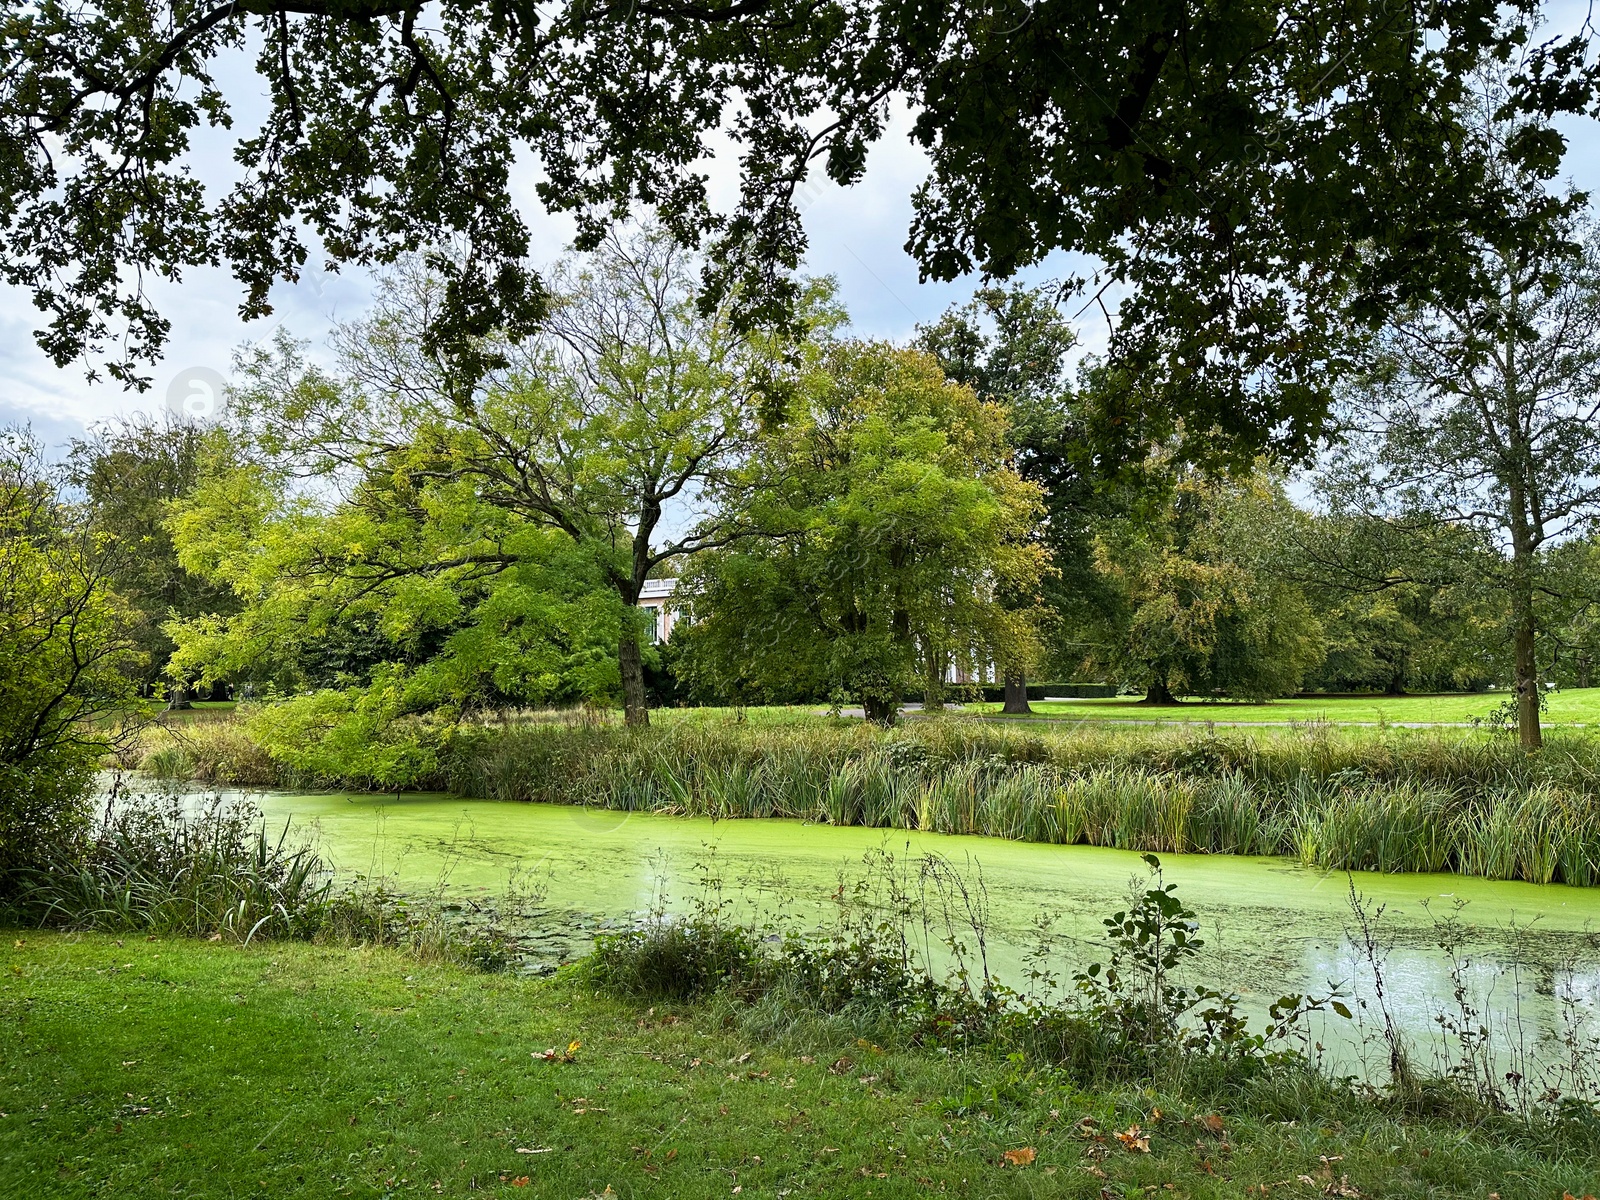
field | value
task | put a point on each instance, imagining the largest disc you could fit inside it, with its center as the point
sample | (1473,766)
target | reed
(216,751)
(1380,800)
(154,867)
(1402,802)
(1375,827)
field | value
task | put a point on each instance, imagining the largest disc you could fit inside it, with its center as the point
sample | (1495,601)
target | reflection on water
(1528,959)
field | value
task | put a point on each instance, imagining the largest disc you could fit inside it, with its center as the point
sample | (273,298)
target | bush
(67,656)
(44,810)
(678,960)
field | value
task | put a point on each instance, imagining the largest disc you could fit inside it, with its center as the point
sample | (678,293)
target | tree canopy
(890,528)
(129,472)
(515,515)
(1224,163)
(1201,603)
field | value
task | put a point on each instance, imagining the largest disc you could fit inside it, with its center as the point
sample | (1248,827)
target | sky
(856,234)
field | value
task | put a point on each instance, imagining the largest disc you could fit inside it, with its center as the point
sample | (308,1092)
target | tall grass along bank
(1400,803)
(1394,801)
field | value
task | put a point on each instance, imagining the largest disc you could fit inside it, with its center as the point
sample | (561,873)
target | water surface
(1271,926)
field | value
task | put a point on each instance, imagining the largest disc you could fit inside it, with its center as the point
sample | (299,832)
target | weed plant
(207,866)
(905,964)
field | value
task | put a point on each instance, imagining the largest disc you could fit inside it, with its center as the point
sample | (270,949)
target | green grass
(168,1067)
(1577,706)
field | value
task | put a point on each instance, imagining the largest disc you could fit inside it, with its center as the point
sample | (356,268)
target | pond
(1271,927)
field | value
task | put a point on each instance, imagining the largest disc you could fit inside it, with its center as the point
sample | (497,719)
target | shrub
(667,959)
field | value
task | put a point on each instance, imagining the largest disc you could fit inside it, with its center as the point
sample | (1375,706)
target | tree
(1405,603)
(1569,611)
(67,655)
(1486,412)
(129,471)
(1010,346)
(1203,609)
(891,525)
(404,597)
(632,399)
(1220,161)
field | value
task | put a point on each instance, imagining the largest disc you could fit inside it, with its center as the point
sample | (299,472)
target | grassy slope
(1575,706)
(177,1068)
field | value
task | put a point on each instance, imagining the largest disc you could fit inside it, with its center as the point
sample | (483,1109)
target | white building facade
(655,598)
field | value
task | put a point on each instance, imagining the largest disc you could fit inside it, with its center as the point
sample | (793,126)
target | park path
(915,710)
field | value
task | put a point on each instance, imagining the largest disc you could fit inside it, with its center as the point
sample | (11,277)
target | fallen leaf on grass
(1021,1157)
(1134,1139)
(1212,1124)
(521,1181)
(570,1054)
(1342,1188)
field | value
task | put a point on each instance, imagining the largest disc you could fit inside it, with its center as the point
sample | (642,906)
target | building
(654,598)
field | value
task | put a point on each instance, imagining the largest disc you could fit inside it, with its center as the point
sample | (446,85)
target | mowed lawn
(139,1068)
(1578,706)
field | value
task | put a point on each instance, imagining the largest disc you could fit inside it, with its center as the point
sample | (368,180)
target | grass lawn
(1577,706)
(177,1068)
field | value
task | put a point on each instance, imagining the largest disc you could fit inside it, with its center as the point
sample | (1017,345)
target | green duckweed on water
(1271,925)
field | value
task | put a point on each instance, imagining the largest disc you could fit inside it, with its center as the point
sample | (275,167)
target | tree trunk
(634,711)
(1583,669)
(1527,666)
(1016,699)
(1159,693)
(880,710)
(933,682)
(178,698)
(1526,535)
